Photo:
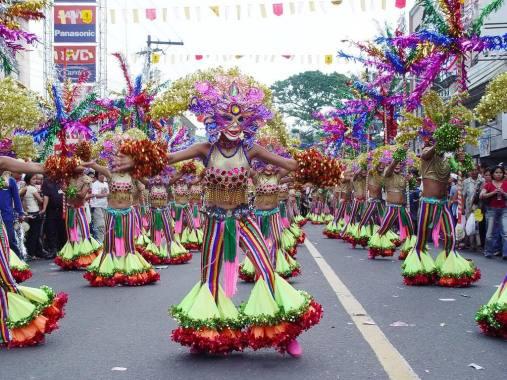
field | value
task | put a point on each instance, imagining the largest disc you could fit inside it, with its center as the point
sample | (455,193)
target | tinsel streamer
(494,100)
(83,107)
(125,71)
(138,84)
(475,28)
(57,99)
(432,16)
(74,93)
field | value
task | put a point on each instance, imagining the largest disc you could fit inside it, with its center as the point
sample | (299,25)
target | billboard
(72,60)
(75,23)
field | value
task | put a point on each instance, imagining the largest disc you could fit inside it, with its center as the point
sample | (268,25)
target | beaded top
(121,187)
(226,177)
(158,196)
(181,193)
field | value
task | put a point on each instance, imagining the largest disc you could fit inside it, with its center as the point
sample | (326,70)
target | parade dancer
(287,213)
(27,314)
(163,248)
(492,317)
(372,215)
(120,263)
(294,211)
(266,179)
(275,313)
(81,248)
(384,241)
(343,194)
(450,268)
(185,230)
(351,228)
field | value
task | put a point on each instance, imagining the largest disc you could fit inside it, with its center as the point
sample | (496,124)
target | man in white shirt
(98,204)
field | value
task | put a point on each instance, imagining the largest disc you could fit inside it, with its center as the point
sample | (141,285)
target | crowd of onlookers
(33,211)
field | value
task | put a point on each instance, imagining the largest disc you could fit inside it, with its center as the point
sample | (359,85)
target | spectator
(10,208)
(32,201)
(98,205)
(414,196)
(54,225)
(495,193)
(471,187)
(453,196)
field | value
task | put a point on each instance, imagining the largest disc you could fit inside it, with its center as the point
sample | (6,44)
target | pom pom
(60,169)
(84,151)
(150,158)
(400,155)
(448,138)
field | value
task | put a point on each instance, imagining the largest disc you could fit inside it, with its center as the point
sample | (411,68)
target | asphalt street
(123,333)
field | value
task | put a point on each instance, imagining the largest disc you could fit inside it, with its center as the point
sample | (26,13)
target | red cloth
(494,202)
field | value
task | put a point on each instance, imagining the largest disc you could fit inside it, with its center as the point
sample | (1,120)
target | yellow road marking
(395,365)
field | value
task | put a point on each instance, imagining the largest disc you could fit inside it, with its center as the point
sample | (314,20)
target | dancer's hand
(122,163)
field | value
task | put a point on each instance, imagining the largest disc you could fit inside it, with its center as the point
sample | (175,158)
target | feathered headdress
(230,95)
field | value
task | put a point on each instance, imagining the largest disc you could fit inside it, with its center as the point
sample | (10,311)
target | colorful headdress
(230,95)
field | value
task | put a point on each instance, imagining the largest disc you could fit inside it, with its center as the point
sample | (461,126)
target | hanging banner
(72,60)
(75,23)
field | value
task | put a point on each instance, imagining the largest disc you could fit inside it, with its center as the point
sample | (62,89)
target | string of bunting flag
(240,10)
(326,59)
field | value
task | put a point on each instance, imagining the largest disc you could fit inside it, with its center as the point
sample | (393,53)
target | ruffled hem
(21,275)
(381,252)
(455,271)
(216,342)
(80,262)
(192,246)
(331,234)
(279,335)
(419,270)
(180,259)
(245,275)
(301,238)
(130,270)
(492,320)
(33,332)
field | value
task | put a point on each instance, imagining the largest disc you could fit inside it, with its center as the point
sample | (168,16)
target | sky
(306,36)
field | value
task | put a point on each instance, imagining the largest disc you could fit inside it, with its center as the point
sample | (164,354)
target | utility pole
(150,50)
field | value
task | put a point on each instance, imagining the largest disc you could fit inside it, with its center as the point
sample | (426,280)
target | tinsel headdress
(230,95)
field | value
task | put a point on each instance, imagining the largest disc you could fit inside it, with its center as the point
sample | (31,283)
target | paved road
(129,327)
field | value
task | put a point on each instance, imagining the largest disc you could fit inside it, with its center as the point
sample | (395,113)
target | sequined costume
(163,248)
(270,221)
(81,248)
(275,312)
(27,314)
(343,193)
(384,241)
(185,231)
(120,262)
(450,268)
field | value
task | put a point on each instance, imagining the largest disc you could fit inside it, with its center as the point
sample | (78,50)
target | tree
(300,95)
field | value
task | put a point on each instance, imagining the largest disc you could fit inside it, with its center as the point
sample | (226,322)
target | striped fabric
(373,214)
(116,219)
(80,223)
(390,217)
(429,217)
(7,283)
(251,239)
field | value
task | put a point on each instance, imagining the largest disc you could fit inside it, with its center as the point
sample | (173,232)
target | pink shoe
(294,349)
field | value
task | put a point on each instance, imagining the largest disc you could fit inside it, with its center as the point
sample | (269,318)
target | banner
(71,60)
(76,1)
(75,23)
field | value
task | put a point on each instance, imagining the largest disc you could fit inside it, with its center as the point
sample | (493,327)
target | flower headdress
(230,95)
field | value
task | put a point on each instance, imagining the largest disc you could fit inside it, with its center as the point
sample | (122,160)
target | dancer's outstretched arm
(12,165)
(263,154)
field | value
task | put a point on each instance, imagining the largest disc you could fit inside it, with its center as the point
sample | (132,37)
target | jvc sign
(72,60)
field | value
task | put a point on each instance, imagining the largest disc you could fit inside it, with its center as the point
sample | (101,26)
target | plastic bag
(470,225)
